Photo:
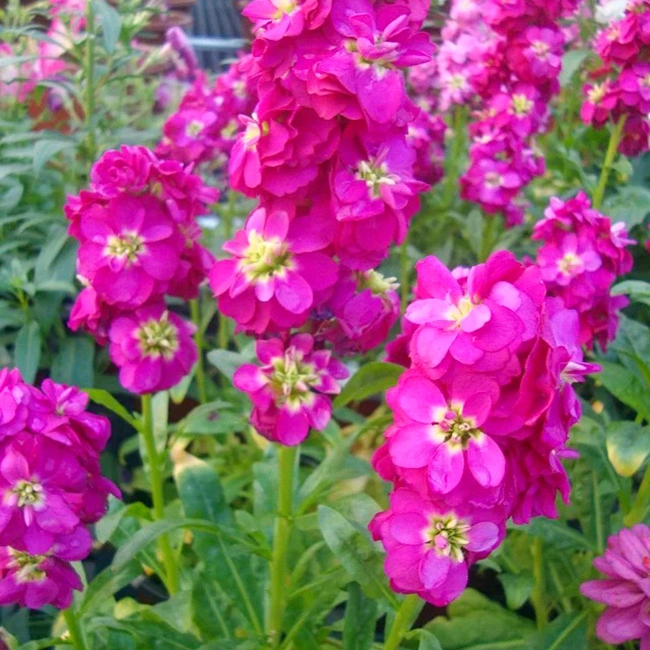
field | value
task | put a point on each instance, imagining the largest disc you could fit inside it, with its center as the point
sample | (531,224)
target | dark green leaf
(213,418)
(557,534)
(567,632)
(626,386)
(637,290)
(103,397)
(518,588)
(226,361)
(428,641)
(27,350)
(630,204)
(369,380)
(360,620)
(73,365)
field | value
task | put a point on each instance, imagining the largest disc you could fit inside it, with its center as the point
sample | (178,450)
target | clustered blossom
(621,90)
(206,124)
(481,419)
(582,255)
(514,69)
(139,242)
(51,489)
(330,155)
(624,591)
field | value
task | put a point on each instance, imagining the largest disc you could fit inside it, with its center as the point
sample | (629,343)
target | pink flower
(624,591)
(430,545)
(14,402)
(442,433)
(537,54)
(289,390)
(275,274)
(601,99)
(36,580)
(360,313)
(152,347)
(129,250)
(92,315)
(192,134)
(126,170)
(277,19)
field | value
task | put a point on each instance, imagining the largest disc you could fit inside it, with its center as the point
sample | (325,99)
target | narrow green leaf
(111,24)
(27,350)
(45,150)
(73,364)
(360,620)
(226,361)
(571,62)
(103,397)
(567,632)
(371,379)
(637,290)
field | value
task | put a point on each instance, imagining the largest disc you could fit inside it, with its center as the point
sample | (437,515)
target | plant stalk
(490,229)
(75,630)
(89,72)
(538,599)
(282,532)
(614,141)
(453,162)
(641,501)
(156,480)
(405,289)
(195,310)
(404,618)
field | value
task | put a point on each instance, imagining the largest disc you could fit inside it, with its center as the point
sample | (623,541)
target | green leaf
(567,632)
(356,553)
(360,620)
(103,397)
(637,290)
(518,587)
(478,623)
(428,641)
(73,364)
(571,62)
(628,445)
(104,585)
(626,386)
(226,361)
(27,350)
(42,644)
(372,378)
(213,418)
(45,150)
(630,204)
(111,24)
(557,534)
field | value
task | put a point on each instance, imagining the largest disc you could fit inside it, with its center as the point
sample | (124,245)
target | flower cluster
(206,124)
(624,591)
(329,155)
(582,255)
(481,419)
(624,93)
(139,241)
(288,390)
(518,77)
(51,488)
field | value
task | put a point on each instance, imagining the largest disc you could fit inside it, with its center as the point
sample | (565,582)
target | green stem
(282,532)
(158,497)
(89,72)
(77,635)
(641,501)
(195,310)
(226,220)
(488,238)
(404,618)
(453,162)
(539,604)
(614,140)
(404,273)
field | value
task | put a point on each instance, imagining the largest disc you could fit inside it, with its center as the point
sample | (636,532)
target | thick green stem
(538,597)
(195,310)
(404,618)
(158,497)
(614,141)
(89,73)
(75,630)
(281,535)
(641,501)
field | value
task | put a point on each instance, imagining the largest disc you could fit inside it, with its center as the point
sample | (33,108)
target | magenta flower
(123,171)
(275,274)
(129,251)
(624,591)
(277,19)
(289,390)
(430,545)
(152,347)
(36,580)
(14,402)
(443,433)
(192,135)
(92,315)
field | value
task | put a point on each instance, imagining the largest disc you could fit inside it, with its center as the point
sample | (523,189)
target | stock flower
(443,433)
(129,250)
(36,580)
(126,170)
(14,401)
(275,272)
(624,591)
(289,391)
(430,545)
(91,314)
(193,135)
(276,19)
(152,347)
